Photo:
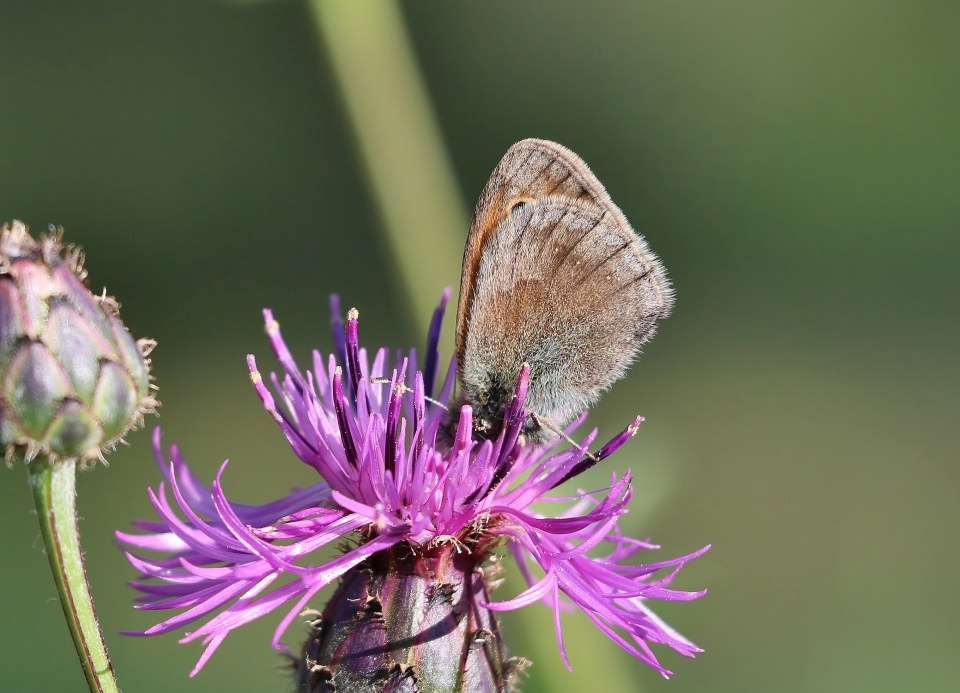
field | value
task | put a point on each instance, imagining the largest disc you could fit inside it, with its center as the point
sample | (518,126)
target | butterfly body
(553,277)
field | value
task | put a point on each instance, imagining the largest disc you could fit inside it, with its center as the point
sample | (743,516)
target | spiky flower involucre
(73,381)
(413,607)
(407,620)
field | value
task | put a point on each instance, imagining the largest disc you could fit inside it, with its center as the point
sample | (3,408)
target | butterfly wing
(553,276)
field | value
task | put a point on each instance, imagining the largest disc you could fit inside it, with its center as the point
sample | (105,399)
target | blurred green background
(797,166)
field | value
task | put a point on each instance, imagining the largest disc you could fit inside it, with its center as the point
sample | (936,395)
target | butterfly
(554,277)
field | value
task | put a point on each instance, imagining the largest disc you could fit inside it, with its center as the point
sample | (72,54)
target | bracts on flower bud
(73,381)
(410,620)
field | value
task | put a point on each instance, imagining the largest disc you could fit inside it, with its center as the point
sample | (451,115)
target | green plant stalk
(400,143)
(54,490)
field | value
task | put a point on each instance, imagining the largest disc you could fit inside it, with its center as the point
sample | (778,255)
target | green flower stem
(399,141)
(54,490)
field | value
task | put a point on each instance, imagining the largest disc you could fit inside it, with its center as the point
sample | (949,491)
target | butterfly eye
(518,206)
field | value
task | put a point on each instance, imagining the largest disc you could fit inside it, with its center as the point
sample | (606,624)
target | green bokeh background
(797,166)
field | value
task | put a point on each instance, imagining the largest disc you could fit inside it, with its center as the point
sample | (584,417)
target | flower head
(73,381)
(392,483)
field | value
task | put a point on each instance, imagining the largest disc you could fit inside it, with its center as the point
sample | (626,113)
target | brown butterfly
(555,277)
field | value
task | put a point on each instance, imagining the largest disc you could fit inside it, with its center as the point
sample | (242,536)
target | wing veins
(605,260)
(643,275)
(513,266)
(560,182)
(586,233)
(521,167)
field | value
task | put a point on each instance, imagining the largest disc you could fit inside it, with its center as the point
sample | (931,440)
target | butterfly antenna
(550,427)
(404,390)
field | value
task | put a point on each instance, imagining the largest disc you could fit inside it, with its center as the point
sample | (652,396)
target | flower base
(409,619)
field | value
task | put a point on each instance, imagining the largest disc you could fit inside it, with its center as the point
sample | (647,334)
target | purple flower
(388,481)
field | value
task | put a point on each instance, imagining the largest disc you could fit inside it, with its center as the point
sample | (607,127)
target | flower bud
(409,620)
(73,381)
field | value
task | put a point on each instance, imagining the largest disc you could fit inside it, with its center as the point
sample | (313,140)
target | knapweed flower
(73,381)
(423,515)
